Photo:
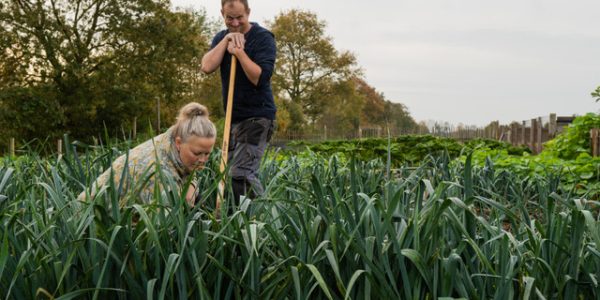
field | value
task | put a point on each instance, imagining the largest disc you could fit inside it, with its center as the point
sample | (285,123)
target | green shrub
(576,138)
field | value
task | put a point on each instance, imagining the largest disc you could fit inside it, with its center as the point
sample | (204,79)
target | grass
(326,228)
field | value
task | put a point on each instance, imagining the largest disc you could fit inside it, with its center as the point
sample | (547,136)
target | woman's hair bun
(193,120)
(191,110)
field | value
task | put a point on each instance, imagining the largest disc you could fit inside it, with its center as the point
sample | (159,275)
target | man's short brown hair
(245,2)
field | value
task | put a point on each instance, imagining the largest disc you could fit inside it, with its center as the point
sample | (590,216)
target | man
(254,109)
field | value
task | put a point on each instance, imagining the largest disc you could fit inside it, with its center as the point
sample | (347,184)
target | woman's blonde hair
(193,120)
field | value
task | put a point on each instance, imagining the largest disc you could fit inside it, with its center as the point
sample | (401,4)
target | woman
(179,151)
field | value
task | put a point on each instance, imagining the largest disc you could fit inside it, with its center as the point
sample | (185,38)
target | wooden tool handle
(226,132)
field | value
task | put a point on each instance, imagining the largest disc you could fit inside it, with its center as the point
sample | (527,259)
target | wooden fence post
(504,133)
(532,131)
(595,141)
(523,132)
(11,147)
(513,133)
(552,127)
(134,127)
(518,134)
(538,135)
(497,133)
(158,114)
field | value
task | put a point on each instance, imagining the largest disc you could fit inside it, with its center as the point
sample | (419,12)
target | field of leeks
(325,228)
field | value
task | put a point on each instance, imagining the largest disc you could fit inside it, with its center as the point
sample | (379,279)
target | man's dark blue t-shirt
(250,101)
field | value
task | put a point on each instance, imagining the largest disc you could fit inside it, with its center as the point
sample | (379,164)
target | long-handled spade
(226,131)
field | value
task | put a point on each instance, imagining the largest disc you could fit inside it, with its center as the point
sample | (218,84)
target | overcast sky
(463,61)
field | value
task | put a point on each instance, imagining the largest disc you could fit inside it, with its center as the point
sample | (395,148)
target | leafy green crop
(407,149)
(576,139)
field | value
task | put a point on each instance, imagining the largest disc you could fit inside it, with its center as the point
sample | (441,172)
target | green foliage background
(92,67)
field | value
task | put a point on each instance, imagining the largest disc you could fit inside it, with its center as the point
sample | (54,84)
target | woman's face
(195,151)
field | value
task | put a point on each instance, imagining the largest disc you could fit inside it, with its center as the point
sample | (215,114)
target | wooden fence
(316,135)
(535,132)
(12,148)
(532,133)
(59,142)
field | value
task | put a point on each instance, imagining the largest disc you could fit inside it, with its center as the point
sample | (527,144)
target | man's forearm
(251,69)
(213,58)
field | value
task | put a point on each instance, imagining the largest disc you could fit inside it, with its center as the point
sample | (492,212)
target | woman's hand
(190,197)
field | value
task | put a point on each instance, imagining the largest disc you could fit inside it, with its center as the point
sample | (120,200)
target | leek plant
(325,228)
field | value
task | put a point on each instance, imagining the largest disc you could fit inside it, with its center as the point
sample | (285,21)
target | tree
(307,63)
(377,111)
(422,128)
(165,61)
(596,94)
(25,112)
(105,61)
(341,114)
(399,118)
(373,112)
